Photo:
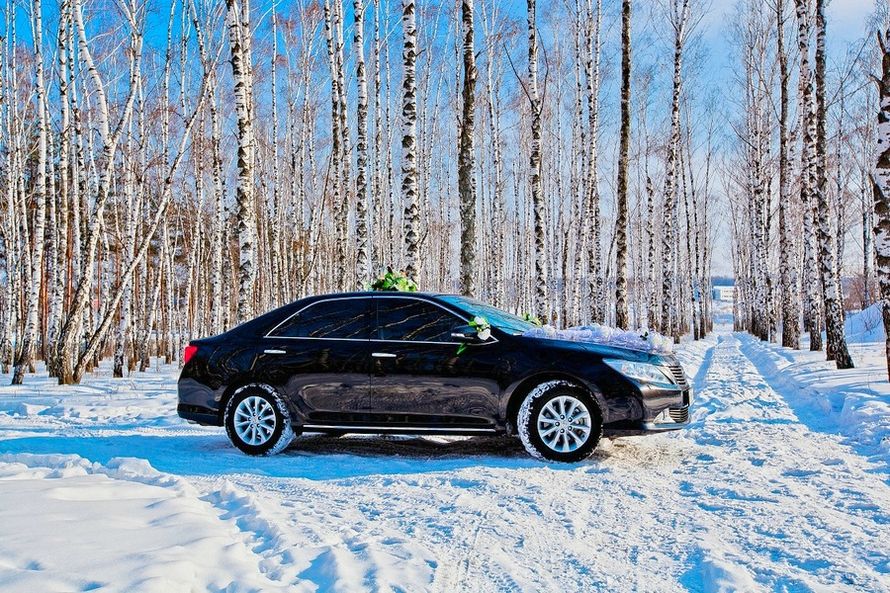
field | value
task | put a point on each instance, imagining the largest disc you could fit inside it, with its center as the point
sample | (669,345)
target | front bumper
(671,412)
(669,419)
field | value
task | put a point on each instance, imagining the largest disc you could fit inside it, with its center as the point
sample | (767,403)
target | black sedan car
(414,363)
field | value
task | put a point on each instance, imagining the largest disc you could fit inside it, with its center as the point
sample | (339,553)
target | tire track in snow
(783,494)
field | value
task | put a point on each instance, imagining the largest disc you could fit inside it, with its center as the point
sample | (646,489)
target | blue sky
(846,25)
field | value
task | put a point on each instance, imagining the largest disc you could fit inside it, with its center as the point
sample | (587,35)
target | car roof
(358,293)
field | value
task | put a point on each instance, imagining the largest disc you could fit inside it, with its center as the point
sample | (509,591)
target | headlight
(640,372)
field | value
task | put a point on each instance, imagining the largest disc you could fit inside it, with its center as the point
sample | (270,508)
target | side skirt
(370,429)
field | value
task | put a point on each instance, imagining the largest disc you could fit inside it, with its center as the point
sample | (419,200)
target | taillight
(190,351)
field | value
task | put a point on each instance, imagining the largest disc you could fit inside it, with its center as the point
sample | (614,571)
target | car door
(418,376)
(322,356)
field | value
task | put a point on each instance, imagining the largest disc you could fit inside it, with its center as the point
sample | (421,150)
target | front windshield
(506,322)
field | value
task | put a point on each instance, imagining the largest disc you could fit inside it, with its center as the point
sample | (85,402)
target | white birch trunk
(622,315)
(595,280)
(363,259)
(239,35)
(542,302)
(668,325)
(808,164)
(29,339)
(836,344)
(466,166)
(881,188)
(411,216)
(790,305)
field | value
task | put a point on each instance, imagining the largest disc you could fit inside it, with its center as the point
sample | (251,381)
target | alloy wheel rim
(254,420)
(564,424)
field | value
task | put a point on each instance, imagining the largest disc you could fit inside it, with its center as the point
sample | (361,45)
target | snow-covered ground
(780,484)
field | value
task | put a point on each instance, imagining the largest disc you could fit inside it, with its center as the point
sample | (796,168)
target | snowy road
(755,496)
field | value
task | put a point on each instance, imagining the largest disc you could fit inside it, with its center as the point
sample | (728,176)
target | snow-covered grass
(103,488)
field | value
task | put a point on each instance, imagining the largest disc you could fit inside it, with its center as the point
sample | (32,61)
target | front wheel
(257,421)
(559,422)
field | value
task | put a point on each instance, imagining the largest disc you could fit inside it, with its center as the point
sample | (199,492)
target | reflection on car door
(418,376)
(321,359)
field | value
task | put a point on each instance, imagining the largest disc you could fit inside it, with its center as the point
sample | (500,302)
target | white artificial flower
(479,320)
(484,334)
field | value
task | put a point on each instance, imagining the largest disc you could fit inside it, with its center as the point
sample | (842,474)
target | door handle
(382,355)
(273,351)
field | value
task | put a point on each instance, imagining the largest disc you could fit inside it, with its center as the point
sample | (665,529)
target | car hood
(599,350)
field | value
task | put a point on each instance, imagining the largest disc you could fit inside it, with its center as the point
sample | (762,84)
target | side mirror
(466,334)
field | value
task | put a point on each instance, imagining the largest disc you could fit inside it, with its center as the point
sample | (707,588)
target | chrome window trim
(318,302)
(492,340)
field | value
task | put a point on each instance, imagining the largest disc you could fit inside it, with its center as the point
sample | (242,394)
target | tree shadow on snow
(313,457)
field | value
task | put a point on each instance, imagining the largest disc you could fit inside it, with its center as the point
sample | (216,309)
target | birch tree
(466,156)
(788,282)
(836,344)
(622,315)
(679,18)
(498,199)
(69,363)
(363,260)
(881,186)
(238,24)
(542,305)
(26,352)
(594,248)
(61,277)
(409,139)
(807,126)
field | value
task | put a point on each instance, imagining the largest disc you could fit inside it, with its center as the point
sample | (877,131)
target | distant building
(723,293)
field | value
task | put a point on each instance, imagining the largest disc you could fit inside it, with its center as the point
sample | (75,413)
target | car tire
(565,437)
(257,420)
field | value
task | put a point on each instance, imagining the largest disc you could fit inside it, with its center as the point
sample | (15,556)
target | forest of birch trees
(169,170)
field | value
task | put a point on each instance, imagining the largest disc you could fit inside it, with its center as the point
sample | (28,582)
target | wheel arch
(237,385)
(526,385)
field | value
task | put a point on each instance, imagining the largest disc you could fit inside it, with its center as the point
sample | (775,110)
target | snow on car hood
(642,340)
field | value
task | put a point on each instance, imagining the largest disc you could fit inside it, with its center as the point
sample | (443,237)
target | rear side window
(337,318)
(414,320)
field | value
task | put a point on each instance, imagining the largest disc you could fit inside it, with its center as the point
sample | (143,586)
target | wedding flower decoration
(391,281)
(483,331)
(482,327)
(532,318)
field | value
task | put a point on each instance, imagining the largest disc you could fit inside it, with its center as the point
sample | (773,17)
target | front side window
(504,321)
(414,320)
(336,318)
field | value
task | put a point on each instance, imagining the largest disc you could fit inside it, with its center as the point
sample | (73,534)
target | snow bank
(641,339)
(121,527)
(865,326)
(852,402)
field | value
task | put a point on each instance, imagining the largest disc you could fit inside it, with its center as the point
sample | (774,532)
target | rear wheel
(559,421)
(257,421)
